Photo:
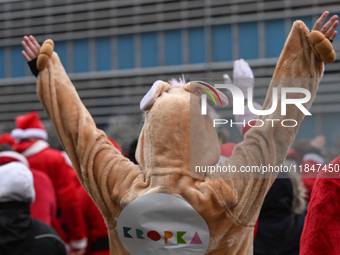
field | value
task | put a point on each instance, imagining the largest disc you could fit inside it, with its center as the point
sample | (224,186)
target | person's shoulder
(46,240)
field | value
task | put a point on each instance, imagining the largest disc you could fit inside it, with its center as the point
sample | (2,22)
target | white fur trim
(177,83)
(243,76)
(147,99)
(36,148)
(248,115)
(67,159)
(79,244)
(30,132)
(222,159)
(16,183)
(15,155)
(313,157)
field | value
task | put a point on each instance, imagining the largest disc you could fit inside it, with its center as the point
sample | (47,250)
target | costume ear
(323,46)
(201,87)
(156,90)
(45,54)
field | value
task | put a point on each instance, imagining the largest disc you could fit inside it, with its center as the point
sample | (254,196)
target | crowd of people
(44,208)
(60,200)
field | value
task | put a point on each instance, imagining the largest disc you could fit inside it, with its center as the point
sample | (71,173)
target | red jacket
(321,232)
(52,162)
(44,207)
(95,226)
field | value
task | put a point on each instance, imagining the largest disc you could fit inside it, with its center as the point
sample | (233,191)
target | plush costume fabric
(321,233)
(230,207)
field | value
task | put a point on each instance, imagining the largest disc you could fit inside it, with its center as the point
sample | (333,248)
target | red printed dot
(154,235)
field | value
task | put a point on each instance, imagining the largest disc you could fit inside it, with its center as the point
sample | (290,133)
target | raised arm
(104,172)
(299,66)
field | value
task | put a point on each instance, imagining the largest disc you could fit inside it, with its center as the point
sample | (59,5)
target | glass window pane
(2,63)
(149,49)
(308,20)
(81,56)
(248,40)
(196,45)
(61,48)
(275,37)
(222,43)
(173,47)
(103,54)
(126,52)
(18,62)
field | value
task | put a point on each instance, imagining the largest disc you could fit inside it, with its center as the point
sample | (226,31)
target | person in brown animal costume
(156,206)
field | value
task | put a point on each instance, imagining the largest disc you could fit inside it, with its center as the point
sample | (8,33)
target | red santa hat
(29,125)
(6,138)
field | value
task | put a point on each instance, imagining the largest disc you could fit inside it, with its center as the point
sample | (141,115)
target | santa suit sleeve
(269,144)
(321,232)
(69,204)
(92,154)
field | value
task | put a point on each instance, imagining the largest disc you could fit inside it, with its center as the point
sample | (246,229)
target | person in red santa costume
(44,207)
(321,232)
(31,136)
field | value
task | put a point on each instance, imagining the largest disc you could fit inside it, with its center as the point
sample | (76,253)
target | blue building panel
(149,49)
(248,40)
(173,47)
(197,45)
(60,47)
(103,54)
(81,55)
(331,127)
(18,63)
(126,52)
(307,129)
(275,37)
(308,20)
(2,63)
(222,43)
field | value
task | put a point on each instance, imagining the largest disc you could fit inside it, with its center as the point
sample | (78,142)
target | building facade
(114,51)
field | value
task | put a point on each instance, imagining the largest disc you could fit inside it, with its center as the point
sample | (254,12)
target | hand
(329,28)
(77,252)
(318,142)
(31,48)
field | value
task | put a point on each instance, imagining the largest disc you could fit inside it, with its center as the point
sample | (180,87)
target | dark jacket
(275,216)
(22,235)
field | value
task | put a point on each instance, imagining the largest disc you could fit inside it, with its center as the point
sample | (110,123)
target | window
(248,40)
(2,63)
(149,49)
(307,128)
(126,56)
(275,37)
(81,56)
(222,43)
(337,38)
(103,54)
(308,20)
(18,62)
(196,45)
(330,127)
(61,48)
(173,47)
